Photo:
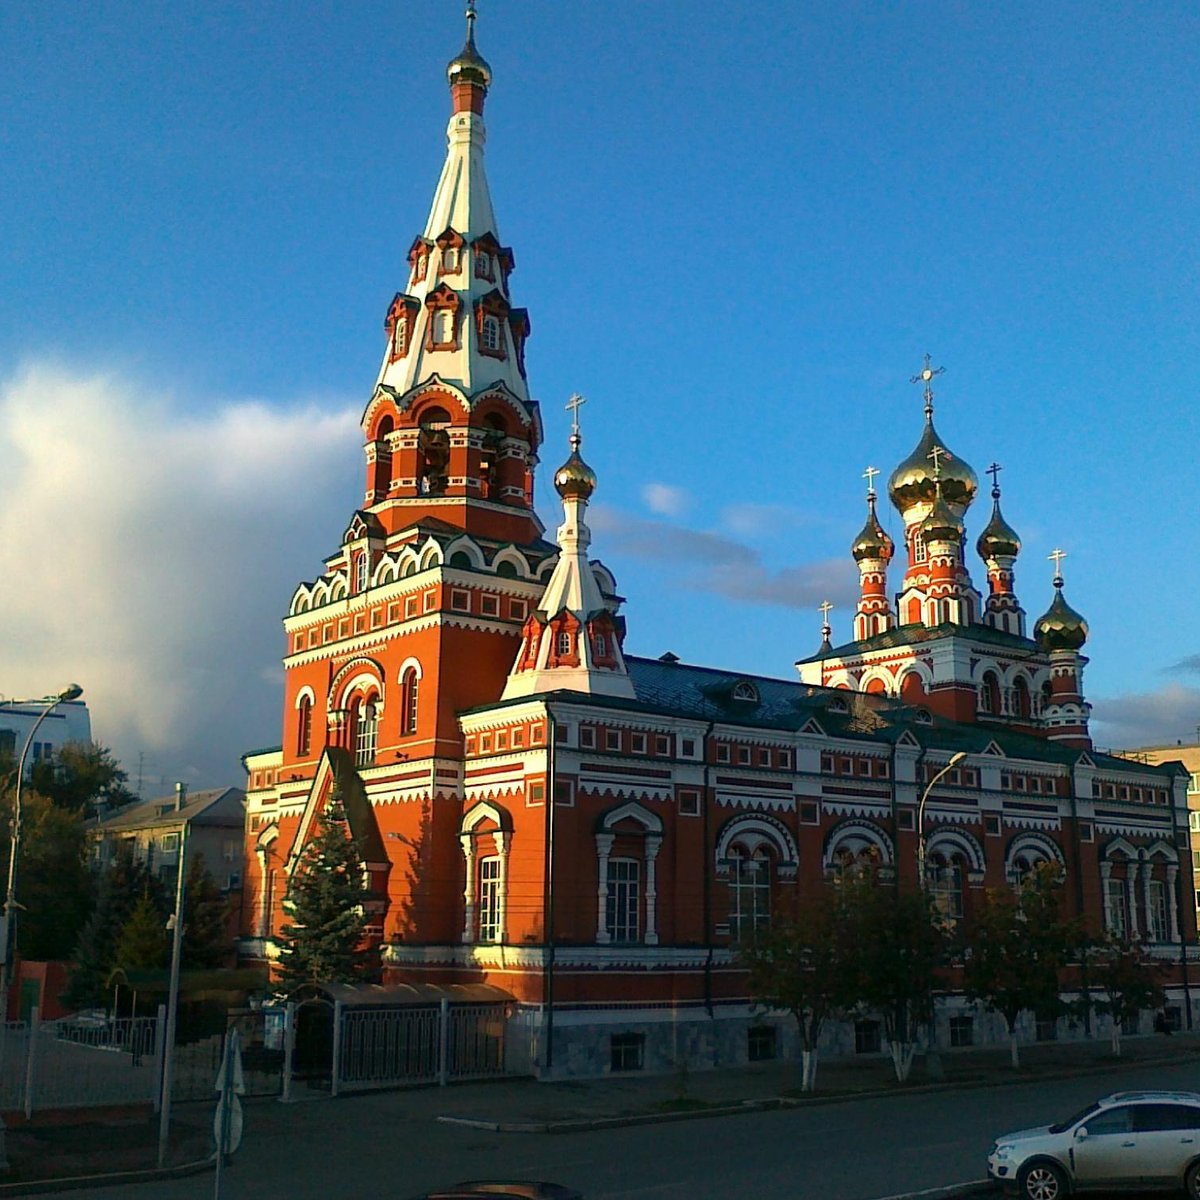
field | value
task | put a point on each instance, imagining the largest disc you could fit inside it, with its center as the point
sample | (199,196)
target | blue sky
(738,228)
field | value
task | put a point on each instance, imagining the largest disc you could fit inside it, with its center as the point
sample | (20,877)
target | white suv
(1129,1140)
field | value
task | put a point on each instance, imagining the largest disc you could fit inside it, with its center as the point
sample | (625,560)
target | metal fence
(197,1061)
(382,1047)
(79,1061)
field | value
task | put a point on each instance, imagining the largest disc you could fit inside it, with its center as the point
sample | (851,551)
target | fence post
(289,1048)
(337,1048)
(160,1026)
(444,1043)
(35,1021)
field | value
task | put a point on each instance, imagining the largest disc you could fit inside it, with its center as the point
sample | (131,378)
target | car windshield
(1063,1126)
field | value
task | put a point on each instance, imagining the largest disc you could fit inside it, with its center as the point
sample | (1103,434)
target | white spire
(570,643)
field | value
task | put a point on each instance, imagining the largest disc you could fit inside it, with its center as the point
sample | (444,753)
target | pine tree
(206,940)
(325,900)
(142,942)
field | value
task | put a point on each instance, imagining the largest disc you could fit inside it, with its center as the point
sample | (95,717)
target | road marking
(936,1191)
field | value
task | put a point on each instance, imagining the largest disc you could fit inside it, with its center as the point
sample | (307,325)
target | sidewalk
(88,1145)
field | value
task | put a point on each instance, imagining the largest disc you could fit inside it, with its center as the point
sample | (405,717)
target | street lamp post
(71,692)
(933,1062)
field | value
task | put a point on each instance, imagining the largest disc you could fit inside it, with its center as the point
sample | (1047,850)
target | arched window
(491,333)
(304,728)
(599,645)
(488,902)
(624,900)
(483,265)
(362,571)
(989,694)
(400,337)
(1021,703)
(1116,907)
(409,686)
(443,327)
(944,879)
(563,644)
(450,259)
(364,721)
(1156,913)
(1047,693)
(918,544)
(749,892)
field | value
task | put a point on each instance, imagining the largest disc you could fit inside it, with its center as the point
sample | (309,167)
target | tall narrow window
(621,911)
(563,644)
(1115,908)
(304,728)
(450,259)
(944,880)
(409,686)
(362,571)
(491,333)
(1158,911)
(749,893)
(443,327)
(918,544)
(488,905)
(365,729)
(400,337)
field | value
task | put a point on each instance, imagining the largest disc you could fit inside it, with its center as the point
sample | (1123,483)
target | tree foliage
(143,941)
(206,941)
(800,965)
(81,775)
(325,901)
(1017,945)
(1127,981)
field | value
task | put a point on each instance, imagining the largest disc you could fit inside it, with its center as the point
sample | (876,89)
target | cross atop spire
(575,403)
(1056,556)
(869,475)
(994,471)
(825,609)
(937,453)
(826,629)
(926,377)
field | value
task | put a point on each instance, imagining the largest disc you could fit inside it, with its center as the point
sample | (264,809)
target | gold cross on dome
(928,371)
(936,454)
(994,471)
(869,475)
(1056,556)
(574,404)
(826,608)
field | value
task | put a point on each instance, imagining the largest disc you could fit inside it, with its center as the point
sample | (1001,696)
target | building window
(169,843)
(749,893)
(638,743)
(563,644)
(460,601)
(488,904)
(362,571)
(762,1043)
(944,878)
(687,747)
(612,739)
(587,737)
(689,804)
(867,1038)
(365,721)
(489,606)
(722,753)
(449,260)
(483,267)
(304,728)
(1158,911)
(410,686)
(621,911)
(744,755)
(627,1051)
(662,745)
(1116,912)
(443,328)
(491,333)
(600,645)
(962,1031)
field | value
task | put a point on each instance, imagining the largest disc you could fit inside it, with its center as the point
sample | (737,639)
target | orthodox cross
(994,471)
(1057,556)
(826,608)
(936,454)
(926,377)
(471,21)
(869,475)
(574,404)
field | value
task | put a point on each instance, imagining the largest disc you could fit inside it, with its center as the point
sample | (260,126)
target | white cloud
(665,500)
(153,543)
(1156,718)
(753,520)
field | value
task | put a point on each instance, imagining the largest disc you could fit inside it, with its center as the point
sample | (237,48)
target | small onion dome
(942,525)
(873,542)
(469,66)
(575,480)
(998,540)
(1061,627)
(913,480)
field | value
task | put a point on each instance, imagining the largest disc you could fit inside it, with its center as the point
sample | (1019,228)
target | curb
(952,1191)
(587,1124)
(73,1182)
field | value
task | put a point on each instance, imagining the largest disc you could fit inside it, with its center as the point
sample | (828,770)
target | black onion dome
(1060,627)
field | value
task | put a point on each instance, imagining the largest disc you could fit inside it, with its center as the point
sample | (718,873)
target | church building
(593,832)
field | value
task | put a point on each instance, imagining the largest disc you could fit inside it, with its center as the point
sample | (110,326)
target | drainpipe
(548,892)
(707,879)
(1078,846)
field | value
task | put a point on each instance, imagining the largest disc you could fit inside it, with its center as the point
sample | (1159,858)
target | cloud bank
(153,543)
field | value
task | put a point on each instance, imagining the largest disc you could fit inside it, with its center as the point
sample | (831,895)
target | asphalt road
(381,1146)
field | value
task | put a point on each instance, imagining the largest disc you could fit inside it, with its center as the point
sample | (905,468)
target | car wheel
(1046,1181)
(1191,1181)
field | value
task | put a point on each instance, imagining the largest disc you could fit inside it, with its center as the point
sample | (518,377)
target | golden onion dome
(912,482)
(942,524)
(469,66)
(575,480)
(873,542)
(998,540)
(1060,627)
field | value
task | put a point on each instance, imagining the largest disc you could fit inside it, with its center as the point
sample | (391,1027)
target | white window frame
(622,912)
(487,903)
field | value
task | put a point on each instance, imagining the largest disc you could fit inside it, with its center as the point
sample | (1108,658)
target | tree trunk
(808,1070)
(902,1058)
(1116,1037)
(1014,1051)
